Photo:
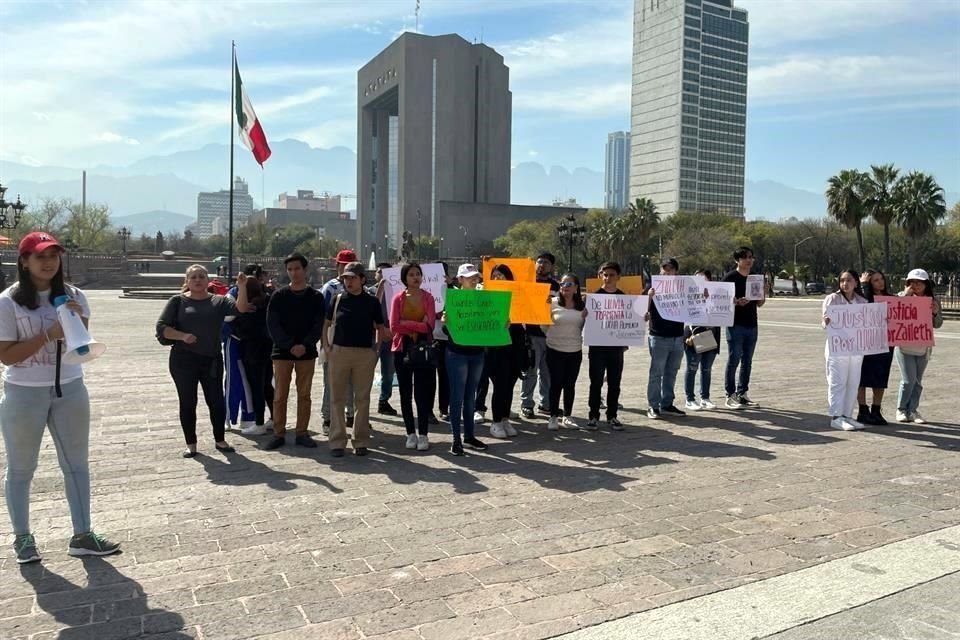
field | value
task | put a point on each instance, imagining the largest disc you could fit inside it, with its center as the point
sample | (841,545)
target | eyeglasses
(567,285)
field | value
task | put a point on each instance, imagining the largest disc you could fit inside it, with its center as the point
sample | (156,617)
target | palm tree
(640,222)
(919,206)
(845,204)
(879,202)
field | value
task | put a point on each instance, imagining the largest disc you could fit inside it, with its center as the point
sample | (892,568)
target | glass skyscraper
(689,105)
(617,171)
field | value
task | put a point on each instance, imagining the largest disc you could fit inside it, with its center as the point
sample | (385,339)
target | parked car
(784,287)
(815,288)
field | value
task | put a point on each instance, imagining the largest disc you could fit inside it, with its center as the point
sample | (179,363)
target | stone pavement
(537,537)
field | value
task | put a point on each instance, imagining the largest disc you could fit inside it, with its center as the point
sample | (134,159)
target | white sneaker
(497,430)
(411,441)
(569,423)
(269,424)
(553,424)
(510,429)
(692,405)
(853,424)
(254,429)
(479,417)
(840,423)
(246,424)
(423,443)
(918,419)
(706,404)
(733,402)
(903,416)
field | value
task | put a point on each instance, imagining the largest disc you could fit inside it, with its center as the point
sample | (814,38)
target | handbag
(704,341)
(420,353)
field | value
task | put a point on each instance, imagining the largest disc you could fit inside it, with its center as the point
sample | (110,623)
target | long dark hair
(25,294)
(856,278)
(577,298)
(503,270)
(868,290)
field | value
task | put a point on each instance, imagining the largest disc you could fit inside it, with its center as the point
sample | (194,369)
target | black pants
(443,384)
(504,379)
(605,361)
(564,369)
(189,369)
(484,386)
(259,368)
(415,385)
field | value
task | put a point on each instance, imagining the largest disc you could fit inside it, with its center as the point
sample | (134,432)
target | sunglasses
(567,285)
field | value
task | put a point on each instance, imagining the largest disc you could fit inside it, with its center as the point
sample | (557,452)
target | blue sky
(833,83)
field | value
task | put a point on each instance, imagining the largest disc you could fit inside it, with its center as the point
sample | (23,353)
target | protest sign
(434,281)
(524,269)
(909,320)
(719,304)
(631,285)
(678,298)
(615,321)
(530,303)
(478,318)
(755,287)
(857,329)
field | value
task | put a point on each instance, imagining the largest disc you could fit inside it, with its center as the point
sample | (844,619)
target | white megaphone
(80,346)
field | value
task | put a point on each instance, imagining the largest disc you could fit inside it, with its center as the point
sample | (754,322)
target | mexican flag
(251,133)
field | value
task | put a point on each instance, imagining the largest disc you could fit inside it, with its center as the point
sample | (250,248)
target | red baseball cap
(37,241)
(346,256)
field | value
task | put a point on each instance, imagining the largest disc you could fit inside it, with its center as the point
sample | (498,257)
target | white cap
(918,274)
(467,271)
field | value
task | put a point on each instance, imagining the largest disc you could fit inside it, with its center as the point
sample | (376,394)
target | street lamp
(571,233)
(16,208)
(123,234)
(796,290)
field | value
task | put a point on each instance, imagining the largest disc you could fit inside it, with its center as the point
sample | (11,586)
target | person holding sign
(700,356)
(540,369)
(912,361)
(413,315)
(843,371)
(505,365)
(464,368)
(742,336)
(875,371)
(606,362)
(665,341)
(564,342)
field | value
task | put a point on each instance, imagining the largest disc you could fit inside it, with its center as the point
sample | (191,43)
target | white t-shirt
(19,323)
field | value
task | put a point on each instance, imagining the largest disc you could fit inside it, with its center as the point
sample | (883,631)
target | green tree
(920,205)
(879,202)
(286,239)
(90,227)
(845,204)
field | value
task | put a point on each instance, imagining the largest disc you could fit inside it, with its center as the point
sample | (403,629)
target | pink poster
(909,320)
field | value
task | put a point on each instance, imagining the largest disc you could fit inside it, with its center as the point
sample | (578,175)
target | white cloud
(337,132)
(594,100)
(109,136)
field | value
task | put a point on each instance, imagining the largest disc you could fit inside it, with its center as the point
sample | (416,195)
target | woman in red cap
(42,392)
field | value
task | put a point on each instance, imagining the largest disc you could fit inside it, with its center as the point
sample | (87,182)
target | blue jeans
(666,354)
(463,372)
(911,380)
(703,362)
(25,413)
(386,373)
(538,370)
(741,343)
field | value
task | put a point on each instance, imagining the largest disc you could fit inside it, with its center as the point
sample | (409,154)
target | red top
(411,328)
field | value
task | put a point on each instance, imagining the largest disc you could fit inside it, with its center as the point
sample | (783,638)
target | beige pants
(283,372)
(351,366)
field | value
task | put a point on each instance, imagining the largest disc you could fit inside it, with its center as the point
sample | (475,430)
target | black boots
(878,418)
(865,416)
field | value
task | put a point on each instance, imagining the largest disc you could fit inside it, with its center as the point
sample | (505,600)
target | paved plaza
(548,534)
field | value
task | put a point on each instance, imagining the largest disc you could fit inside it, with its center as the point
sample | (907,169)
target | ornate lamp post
(572,234)
(10,208)
(123,234)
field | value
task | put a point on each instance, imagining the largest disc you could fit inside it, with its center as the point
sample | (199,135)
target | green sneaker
(91,544)
(26,548)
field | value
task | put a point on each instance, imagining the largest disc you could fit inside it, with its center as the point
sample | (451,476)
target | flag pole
(233,105)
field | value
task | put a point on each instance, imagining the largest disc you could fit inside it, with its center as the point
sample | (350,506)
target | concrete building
(434,125)
(689,105)
(216,204)
(307,201)
(328,224)
(617,171)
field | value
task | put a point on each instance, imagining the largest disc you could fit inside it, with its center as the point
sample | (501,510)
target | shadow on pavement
(235,469)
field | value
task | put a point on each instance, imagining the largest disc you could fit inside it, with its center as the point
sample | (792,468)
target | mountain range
(160,192)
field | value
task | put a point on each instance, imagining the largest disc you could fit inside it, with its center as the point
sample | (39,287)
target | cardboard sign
(756,289)
(434,281)
(524,269)
(631,285)
(615,321)
(909,320)
(530,303)
(478,318)
(679,298)
(719,305)
(857,329)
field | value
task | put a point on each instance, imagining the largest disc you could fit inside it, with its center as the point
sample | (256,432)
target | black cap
(354,269)
(672,262)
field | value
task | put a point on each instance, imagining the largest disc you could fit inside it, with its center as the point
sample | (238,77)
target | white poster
(680,298)
(719,304)
(857,329)
(755,287)
(615,321)
(433,281)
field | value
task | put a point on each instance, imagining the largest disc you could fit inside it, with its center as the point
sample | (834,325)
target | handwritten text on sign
(680,298)
(477,318)
(909,320)
(434,281)
(857,329)
(615,321)
(719,304)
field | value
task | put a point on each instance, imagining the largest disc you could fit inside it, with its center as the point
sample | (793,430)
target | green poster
(477,318)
